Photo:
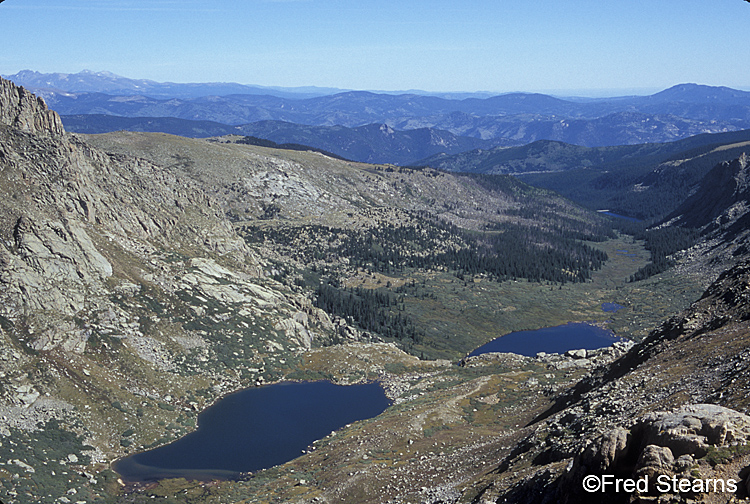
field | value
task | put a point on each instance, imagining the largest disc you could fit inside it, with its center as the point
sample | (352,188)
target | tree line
(661,243)
(372,310)
(507,252)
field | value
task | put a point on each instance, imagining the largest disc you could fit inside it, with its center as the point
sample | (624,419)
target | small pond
(557,339)
(255,429)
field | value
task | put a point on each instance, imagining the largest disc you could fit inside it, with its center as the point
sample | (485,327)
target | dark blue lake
(255,429)
(557,339)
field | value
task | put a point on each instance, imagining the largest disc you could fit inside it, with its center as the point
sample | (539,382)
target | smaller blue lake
(557,339)
(611,307)
(255,429)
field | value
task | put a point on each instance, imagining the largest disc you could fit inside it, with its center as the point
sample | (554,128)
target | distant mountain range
(516,118)
(107,82)
(87,81)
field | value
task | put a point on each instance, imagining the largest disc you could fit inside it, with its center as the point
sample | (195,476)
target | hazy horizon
(579,48)
(559,93)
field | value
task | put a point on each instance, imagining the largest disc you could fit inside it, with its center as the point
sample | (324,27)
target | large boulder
(693,429)
(673,443)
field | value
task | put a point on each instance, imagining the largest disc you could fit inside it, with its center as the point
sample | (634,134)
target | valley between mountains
(143,276)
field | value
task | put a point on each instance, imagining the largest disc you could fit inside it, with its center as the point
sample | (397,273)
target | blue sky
(438,45)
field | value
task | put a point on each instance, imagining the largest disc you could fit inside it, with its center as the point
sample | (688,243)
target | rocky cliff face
(66,206)
(26,112)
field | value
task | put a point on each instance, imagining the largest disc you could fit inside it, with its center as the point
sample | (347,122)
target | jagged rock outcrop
(22,110)
(662,444)
(51,263)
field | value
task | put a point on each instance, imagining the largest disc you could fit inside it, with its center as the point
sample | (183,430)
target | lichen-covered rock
(52,263)
(295,332)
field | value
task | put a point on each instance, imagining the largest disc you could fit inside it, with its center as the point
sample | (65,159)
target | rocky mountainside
(721,203)
(675,406)
(645,181)
(126,294)
(718,208)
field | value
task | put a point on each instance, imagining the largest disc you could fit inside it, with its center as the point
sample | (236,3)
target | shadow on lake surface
(255,429)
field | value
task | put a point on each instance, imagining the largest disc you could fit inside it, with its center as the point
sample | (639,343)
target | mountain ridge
(615,129)
(104,81)
(646,181)
(108,82)
(31,78)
